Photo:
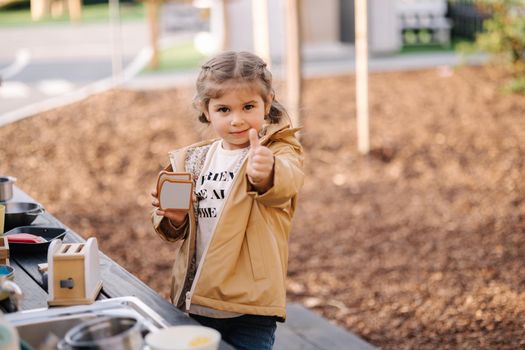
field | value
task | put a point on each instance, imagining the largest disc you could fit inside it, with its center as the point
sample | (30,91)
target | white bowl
(184,338)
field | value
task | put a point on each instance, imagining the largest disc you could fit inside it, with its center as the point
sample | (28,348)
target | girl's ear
(203,108)
(206,114)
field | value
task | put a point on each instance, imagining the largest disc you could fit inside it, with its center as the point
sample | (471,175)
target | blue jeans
(246,332)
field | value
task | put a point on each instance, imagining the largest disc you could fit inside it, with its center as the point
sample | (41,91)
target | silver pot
(6,188)
(104,333)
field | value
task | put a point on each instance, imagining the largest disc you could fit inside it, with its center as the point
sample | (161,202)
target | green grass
(183,56)
(90,13)
(455,44)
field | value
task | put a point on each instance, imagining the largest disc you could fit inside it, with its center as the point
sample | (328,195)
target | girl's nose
(236,120)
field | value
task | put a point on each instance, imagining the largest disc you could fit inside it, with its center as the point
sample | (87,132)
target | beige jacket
(244,267)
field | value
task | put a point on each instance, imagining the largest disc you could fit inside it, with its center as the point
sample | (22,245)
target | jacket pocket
(255,251)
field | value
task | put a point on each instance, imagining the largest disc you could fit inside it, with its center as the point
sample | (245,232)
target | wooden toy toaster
(73,272)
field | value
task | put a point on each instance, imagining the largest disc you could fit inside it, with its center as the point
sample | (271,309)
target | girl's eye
(223,110)
(248,107)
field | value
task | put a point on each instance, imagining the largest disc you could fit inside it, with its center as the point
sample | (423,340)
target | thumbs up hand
(260,164)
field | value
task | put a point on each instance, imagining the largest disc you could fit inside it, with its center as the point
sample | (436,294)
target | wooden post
(40,9)
(225,40)
(361,48)
(74,8)
(152,9)
(57,8)
(293,60)
(261,31)
(116,41)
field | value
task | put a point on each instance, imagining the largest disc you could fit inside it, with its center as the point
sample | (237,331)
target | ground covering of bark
(420,245)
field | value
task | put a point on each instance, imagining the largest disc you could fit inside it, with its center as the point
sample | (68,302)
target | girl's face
(234,113)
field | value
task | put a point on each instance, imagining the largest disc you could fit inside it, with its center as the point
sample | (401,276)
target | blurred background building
(327,27)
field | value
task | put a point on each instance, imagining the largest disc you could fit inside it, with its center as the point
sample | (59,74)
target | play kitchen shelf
(117,284)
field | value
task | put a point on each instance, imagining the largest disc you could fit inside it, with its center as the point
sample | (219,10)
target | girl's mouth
(238,132)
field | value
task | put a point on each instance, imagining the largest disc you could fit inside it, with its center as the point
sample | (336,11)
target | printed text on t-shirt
(213,193)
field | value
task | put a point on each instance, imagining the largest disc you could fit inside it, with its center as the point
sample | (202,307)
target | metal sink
(42,326)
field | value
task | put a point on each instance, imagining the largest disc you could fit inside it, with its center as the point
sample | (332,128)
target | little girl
(232,246)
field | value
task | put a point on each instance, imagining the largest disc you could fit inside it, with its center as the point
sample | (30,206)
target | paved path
(42,62)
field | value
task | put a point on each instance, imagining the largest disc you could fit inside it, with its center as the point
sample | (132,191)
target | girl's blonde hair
(237,68)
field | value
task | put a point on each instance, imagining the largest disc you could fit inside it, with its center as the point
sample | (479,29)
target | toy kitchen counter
(121,291)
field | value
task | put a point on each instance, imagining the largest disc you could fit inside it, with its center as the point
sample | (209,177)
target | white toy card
(174,190)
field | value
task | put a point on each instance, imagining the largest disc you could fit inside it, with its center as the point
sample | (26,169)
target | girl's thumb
(254,138)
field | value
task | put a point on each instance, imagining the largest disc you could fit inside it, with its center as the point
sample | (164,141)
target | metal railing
(467,18)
